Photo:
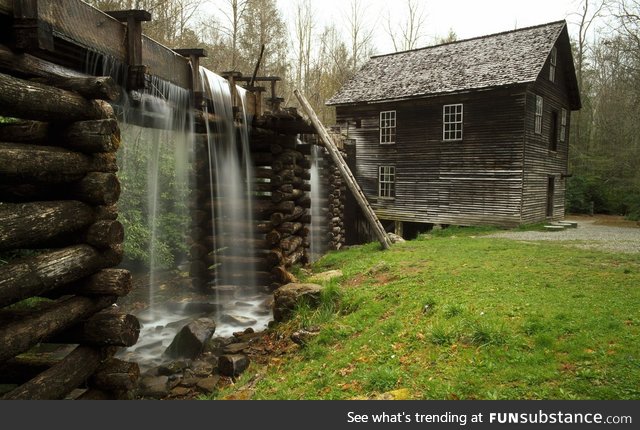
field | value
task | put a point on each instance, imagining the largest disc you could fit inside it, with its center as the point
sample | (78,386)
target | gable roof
(508,58)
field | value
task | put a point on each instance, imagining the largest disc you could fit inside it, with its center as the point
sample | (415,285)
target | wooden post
(345,172)
(134,19)
(194,56)
(29,31)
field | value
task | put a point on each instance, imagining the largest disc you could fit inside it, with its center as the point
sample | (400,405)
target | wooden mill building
(474,132)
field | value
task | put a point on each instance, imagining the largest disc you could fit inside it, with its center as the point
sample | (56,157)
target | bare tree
(303,32)
(233,11)
(360,37)
(408,34)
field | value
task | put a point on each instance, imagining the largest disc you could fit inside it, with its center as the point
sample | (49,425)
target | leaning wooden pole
(345,172)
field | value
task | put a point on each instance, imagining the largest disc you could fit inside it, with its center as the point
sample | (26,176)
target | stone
(154,386)
(190,341)
(180,391)
(173,367)
(237,320)
(189,382)
(287,297)
(202,368)
(326,276)
(208,385)
(394,238)
(302,337)
(235,348)
(233,364)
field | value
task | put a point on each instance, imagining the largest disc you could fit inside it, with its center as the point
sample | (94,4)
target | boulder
(208,385)
(287,297)
(233,364)
(154,386)
(190,341)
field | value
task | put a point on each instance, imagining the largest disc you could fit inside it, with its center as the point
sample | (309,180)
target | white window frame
(388,127)
(553,64)
(539,112)
(563,125)
(387,182)
(452,122)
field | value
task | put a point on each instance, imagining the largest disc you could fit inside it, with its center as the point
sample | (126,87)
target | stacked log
(60,239)
(328,226)
(291,203)
(201,239)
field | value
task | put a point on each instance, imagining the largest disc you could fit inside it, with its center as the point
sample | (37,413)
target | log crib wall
(60,239)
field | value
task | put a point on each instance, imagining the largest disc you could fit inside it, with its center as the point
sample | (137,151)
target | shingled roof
(508,58)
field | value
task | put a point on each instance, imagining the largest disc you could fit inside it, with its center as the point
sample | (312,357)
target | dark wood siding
(476,181)
(540,162)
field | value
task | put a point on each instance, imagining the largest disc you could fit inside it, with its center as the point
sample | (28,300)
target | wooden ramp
(345,172)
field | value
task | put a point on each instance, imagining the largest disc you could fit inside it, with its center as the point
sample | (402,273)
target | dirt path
(604,232)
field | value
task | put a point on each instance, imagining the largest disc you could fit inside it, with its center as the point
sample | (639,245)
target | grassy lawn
(454,315)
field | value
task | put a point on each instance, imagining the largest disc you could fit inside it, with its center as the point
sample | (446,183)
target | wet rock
(237,320)
(179,324)
(180,391)
(189,382)
(225,290)
(154,386)
(149,346)
(202,308)
(173,367)
(216,344)
(190,341)
(235,348)
(202,368)
(208,385)
(248,330)
(287,297)
(233,364)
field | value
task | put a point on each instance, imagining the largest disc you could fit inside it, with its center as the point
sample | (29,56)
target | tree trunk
(92,136)
(48,164)
(61,379)
(106,328)
(107,282)
(89,87)
(290,244)
(25,331)
(33,132)
(37,275)
(29,100)
(104,234)
(27,225)
(115,375)
(98,188)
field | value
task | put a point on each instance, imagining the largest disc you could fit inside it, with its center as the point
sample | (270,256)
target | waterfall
(319,220)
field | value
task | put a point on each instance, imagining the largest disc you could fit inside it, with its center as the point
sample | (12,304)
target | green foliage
(136,161)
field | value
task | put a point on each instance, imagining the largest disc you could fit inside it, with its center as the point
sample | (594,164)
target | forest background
(318,58)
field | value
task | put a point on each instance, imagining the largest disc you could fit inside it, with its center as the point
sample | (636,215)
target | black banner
(282,415)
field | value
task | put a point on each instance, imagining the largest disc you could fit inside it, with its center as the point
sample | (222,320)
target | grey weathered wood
(104,234)
(25,331)
(37,275)
(62,378)
(92,136)
(25,225)
(30,100)
(345,172)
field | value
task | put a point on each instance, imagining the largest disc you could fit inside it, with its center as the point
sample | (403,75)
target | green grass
(455,315)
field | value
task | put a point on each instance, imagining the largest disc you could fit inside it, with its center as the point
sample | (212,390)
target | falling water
(318,218)
(231,176)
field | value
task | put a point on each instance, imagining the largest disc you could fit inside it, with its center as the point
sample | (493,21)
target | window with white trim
(388,127)
(563,125)
(553,63)
(452,118)
(387,182)
(539,110)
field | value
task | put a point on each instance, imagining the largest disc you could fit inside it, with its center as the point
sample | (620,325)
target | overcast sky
(467,18)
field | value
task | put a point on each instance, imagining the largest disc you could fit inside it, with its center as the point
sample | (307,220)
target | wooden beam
(137,68)
(345,172)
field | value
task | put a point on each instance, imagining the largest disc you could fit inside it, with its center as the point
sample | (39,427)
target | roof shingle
(507,58)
